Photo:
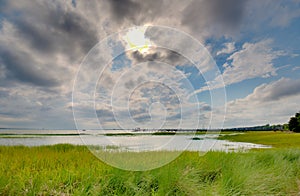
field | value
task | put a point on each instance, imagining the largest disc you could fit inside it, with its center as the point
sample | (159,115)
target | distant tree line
(266,127)
(294,123)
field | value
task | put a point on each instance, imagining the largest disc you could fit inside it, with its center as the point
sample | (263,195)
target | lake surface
(139,142)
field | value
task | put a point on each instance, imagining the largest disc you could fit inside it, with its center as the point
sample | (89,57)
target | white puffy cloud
(253,60)
(229,48)
(269,103)
(133,91)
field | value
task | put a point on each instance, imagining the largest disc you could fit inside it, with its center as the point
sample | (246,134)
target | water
(141,142)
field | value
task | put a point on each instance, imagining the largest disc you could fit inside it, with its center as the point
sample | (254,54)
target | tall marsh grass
(73,170)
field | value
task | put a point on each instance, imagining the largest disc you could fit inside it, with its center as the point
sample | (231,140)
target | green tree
(285,127)
(294,123)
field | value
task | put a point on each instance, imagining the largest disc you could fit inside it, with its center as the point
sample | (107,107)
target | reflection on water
(128,143)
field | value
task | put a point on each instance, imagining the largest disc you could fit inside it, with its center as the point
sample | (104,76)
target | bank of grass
(31,135)
(73,170)
(119,134)
(275,139)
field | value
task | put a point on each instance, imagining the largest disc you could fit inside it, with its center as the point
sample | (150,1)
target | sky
(152,64)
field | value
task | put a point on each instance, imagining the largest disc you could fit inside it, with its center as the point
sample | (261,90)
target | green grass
(275,139)
(119,134)
(169,133)
(164,133)
(73,170)
(30,135)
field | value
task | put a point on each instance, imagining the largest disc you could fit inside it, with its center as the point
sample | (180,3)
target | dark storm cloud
(283,88)
(210,13)
(137,12)
(47,31)
(157,54)
(55,29)
(35,36)
(22,68)
(122,9)
(77,29)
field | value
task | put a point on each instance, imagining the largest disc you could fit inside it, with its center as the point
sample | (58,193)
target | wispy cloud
(253,60)
(228,48)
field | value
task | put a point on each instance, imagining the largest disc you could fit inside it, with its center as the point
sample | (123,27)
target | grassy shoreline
(73,170)
(274,139)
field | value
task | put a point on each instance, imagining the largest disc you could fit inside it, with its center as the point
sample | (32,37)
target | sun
(135,39)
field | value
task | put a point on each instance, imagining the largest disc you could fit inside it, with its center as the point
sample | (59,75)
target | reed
(74,170)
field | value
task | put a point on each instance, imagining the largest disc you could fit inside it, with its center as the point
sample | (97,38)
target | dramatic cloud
(125,9)
(158,54)
(252,61)
(214,16)
(278,90)
(138,12)
(42,44)
(148,92)
(268,103)
(52,28)
(24,69)
(43,41)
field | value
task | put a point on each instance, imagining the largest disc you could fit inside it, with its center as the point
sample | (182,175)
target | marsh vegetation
(73,170)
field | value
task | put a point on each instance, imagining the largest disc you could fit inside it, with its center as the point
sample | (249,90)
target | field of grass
(73,170)
(275,139)
(30,135)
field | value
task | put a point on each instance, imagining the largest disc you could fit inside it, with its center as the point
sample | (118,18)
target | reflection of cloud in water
(138,142)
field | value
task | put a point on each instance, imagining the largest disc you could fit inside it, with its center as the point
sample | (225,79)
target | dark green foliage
(209,176)
(164,133)
(294,123)
(119,134)
(197,138)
